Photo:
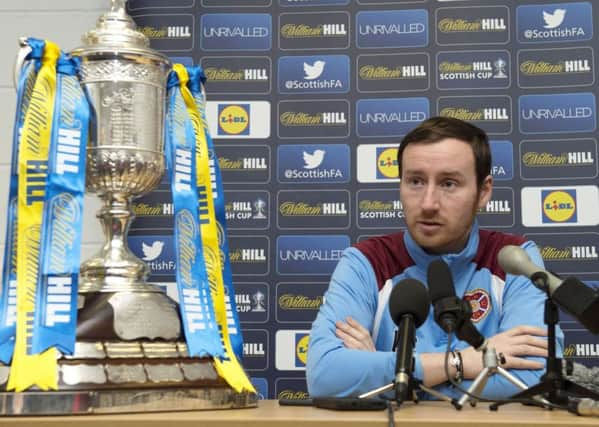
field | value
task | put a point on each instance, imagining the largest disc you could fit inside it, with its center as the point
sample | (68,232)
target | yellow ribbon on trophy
(33,369)
(229,367)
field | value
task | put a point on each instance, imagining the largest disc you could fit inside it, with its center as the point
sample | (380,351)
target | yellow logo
(234,120)
(386,163)
(301,349)
(293,394)
(570,351)
(559,206)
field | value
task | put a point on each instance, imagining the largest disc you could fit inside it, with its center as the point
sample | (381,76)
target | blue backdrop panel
(308,100)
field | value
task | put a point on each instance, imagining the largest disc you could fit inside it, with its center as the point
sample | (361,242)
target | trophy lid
(116,33)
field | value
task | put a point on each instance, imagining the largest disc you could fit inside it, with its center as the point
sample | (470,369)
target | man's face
(440,195)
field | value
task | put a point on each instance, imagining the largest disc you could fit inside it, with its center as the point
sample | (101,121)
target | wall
(63,22)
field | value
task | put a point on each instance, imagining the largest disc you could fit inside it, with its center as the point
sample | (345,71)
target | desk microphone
(408,305)
(452,314)
(578,299)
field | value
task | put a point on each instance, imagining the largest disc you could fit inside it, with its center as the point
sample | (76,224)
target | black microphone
(452,314)
(408,305)
(578,299)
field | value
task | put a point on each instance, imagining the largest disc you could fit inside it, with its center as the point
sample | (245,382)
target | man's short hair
(436,129)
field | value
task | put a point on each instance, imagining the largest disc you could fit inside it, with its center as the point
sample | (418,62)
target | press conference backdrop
(308,100)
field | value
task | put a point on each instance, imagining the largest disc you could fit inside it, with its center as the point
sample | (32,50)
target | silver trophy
(130,353)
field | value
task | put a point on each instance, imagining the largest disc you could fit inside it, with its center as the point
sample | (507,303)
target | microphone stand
(553,386)
(402,394)
(491,365)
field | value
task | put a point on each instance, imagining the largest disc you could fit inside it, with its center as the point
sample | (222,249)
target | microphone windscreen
(409,297)
(440,282)
(515,260)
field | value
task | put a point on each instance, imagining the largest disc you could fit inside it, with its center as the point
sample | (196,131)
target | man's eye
(449,184)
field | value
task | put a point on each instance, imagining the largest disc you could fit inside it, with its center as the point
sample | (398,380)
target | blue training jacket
(360,288)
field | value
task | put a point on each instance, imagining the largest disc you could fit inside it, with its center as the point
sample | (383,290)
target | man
(444,166)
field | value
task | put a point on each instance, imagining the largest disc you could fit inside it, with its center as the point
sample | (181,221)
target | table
(269,413)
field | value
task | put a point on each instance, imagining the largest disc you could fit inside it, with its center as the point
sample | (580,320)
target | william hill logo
(498,206)
(572,158)
(170,32)
(318,209)
(245,163)
(248,255)
(234,119)
(300,302)
(536,68)
(576,253)
(480,114)
(156,209)
(293,395)
(452,25)
(582,350)
(300,31)
(223,74)
(559,206)
(381,72)
(253,349)
(292,118)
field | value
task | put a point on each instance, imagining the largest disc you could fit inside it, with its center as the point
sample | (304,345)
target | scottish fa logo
(314,159)
(314,71)
(153,251)
(555,19)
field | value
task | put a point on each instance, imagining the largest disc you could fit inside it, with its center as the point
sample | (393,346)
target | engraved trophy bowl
(130,354)
(125,82)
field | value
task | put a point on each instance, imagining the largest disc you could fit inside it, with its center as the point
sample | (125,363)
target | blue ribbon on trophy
(197,79)
(55,320)
(195,301)
(8,292)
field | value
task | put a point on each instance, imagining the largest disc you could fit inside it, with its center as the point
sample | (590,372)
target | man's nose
(430,198)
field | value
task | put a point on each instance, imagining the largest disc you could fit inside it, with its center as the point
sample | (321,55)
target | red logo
(480,302)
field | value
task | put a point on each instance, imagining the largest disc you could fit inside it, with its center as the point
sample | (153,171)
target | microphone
(452,314)
(578,299)
(585,407)
(408,306)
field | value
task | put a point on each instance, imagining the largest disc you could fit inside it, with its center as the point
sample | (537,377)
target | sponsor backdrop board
(308,100)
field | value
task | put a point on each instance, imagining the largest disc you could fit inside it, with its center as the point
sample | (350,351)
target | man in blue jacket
(444,166)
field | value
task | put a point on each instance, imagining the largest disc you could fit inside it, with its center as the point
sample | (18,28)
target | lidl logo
(559,206)
(386,163)
(301,349)
(234,119)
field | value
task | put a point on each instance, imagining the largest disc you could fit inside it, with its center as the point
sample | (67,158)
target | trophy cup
(500,69)
(130,353)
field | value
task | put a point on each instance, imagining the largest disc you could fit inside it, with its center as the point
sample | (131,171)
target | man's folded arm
(332,369)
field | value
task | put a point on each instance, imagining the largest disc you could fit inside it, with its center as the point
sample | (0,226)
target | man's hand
(513,343)
(354,335)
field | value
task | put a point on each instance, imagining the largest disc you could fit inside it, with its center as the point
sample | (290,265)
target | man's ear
(485,191)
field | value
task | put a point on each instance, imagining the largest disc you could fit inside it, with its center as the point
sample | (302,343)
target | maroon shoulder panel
(490,242)
(387,255)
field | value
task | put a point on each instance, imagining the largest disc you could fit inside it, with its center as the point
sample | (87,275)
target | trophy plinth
(130,353)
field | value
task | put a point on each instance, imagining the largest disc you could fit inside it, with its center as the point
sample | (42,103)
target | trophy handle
(20,60)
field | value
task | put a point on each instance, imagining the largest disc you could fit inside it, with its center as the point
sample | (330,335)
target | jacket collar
(456,261)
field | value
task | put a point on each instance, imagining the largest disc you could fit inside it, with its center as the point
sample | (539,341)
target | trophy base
(32,403)
(129,357)
(120,377)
